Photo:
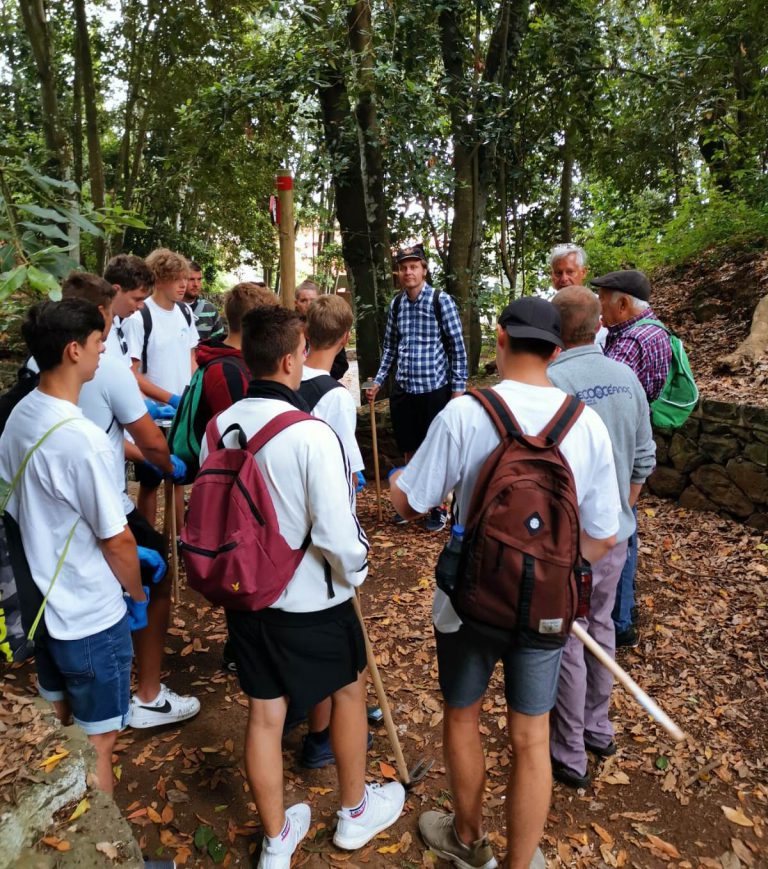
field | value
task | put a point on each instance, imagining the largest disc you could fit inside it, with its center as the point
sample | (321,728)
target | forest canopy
(491,130)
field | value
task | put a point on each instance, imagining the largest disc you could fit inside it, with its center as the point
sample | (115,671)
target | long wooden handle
(394,740)
(375,445)
(650,705)
(170,524)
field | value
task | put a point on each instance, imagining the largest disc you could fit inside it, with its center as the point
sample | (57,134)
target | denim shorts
(92,674)
(467,658)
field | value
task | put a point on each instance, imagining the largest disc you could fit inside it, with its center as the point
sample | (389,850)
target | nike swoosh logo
(166,707)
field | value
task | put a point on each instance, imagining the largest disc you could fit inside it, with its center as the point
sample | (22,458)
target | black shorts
(146,476)
(412,414)
(303,656)
(148,537)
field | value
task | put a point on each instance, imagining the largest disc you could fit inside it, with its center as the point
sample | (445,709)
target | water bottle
(447,569)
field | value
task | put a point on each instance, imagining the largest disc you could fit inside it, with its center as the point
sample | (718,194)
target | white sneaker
(167,708)
(278,856)
(382,806)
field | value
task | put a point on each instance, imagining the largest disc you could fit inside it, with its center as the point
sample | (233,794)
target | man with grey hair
(567,265)
(580,721)
(645,348)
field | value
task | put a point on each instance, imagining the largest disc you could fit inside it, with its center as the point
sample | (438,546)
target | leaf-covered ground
(703,603)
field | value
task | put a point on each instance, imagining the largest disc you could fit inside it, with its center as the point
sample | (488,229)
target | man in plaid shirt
(423,340)
(625,302)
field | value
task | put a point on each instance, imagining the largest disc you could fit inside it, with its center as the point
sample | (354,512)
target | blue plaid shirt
(422,363)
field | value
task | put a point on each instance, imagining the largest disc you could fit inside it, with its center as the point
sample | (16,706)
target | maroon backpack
(520,561)
(233,551)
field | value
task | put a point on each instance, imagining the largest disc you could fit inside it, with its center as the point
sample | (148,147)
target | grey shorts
(467,658)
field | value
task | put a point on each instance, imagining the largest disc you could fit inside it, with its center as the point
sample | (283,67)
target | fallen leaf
(388,771)
(182,855)
(389,849)
(603,833)
(665,847)
(53,761)
(321,791)
(736,816)
(153,816)
(82,808)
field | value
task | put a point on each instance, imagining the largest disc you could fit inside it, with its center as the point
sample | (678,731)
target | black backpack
(315,388)
(26,381)
(147,320)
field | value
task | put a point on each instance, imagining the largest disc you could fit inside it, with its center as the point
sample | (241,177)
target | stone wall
(717,461)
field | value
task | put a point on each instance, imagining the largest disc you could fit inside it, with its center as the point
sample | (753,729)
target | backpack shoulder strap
(184,310)
(500,414)
(396,305)
(562,422)
(146,318)
(275,426)
(315,388)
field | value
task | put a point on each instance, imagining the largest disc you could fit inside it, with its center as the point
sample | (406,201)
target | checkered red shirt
(646,349)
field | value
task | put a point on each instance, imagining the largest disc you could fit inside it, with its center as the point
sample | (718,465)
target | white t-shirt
(308,478)
(69,477)
(462,437)
(111,401)
(337,408)
(171,340)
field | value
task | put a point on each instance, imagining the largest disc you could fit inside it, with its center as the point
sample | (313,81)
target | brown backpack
(520,561)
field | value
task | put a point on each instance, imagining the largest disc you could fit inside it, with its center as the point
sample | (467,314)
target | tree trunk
(95,162)
(36,27)
(360,25)
(566,187)
(341,142)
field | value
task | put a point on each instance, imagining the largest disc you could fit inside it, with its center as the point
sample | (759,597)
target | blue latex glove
(359,481)
(174,401)
(137,612)
(394,470)
(178,473)
(159,411)
(152,559)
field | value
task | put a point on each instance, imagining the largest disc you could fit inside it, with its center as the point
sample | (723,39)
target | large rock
(757,453)
(715,483)
(721,410)
(759,521)
(667,482)
(750,478)
(719,449)
(684,454)
(694,499)
(662,448)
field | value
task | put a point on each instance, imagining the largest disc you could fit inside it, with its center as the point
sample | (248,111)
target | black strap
(499,405)
(241,438)
(185,310)
(560,428)
(147,320)
(526,591)
(315,388)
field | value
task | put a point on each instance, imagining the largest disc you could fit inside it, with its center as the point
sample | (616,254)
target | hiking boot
(439,833)
(629,638)
(167,708)
(437,519)
(601,750)
(228,662)
(277,855)
(317,753)
(567,776)
(380,808)
(375,715)
(397,519)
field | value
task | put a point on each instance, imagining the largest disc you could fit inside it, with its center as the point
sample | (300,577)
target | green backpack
(679,394)
(189,421)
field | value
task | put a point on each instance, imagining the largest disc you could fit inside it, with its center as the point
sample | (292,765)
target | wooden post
(287,237)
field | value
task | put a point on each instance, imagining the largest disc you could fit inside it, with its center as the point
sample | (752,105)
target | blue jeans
(625,593)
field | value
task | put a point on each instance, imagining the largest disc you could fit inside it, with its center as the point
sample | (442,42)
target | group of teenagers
(114,358)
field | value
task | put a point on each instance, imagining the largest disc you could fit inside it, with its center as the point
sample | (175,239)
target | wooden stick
(650,705)
(375,445)
(169,532)
(394,740)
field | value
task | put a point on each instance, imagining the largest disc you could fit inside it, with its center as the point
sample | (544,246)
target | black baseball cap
(414,251)
(532,317)
(629,281)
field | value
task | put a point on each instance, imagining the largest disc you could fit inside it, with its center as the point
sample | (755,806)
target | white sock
(280,841)
(358,810)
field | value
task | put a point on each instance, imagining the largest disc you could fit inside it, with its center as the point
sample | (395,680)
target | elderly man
(645,348)
(580,720)
(567,265)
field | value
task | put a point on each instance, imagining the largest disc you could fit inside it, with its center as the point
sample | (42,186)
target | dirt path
(703,657)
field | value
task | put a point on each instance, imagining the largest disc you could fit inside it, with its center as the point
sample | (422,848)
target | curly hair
(167,265)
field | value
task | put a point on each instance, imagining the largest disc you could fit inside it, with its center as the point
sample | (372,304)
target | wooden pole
(287,237)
